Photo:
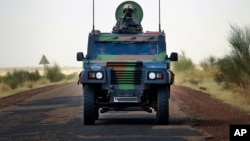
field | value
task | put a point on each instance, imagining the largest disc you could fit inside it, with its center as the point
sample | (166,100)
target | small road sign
(44,61)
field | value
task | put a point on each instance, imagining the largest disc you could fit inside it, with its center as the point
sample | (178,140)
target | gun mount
(128,16)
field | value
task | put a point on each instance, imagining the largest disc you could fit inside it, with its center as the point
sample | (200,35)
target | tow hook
(149,110)
(104,110)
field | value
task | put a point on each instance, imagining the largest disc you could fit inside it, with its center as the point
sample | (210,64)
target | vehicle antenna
(93,17)
(159,15)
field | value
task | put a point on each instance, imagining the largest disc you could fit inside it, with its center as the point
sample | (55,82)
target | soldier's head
(128,9)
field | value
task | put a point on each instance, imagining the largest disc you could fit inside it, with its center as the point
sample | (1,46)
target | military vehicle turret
(127,69)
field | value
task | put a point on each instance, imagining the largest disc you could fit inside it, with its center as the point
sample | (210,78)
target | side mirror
(174,56)
(79,56)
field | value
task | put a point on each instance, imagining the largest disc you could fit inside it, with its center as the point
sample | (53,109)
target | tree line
(21,78)
(231,71)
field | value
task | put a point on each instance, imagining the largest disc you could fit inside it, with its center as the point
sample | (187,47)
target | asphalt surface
(57,115)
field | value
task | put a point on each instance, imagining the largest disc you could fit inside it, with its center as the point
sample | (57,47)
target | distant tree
(208,63)
(234,69)
(240,44)
(183,64)
(229,72)
(34,76)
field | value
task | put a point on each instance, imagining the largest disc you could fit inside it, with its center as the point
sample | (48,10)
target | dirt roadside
(21,96)
(207,113)
(203,111)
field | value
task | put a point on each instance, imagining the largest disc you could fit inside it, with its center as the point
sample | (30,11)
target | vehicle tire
(89,109)
(163,105)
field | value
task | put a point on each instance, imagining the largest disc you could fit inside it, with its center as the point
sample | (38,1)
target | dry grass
(26,86)
(5,90)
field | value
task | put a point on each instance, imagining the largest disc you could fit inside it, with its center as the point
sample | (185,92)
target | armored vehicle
(127,69)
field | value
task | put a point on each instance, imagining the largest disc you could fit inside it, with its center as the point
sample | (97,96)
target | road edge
(21,96)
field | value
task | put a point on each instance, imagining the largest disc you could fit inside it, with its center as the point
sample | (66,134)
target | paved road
(57,115)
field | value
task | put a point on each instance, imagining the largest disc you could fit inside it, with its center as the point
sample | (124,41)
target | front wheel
(89,109)
(163,105)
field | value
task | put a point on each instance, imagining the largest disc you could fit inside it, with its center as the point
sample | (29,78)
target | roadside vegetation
(21,80)
(226,78)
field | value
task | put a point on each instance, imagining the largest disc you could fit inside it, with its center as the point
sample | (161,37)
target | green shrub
(18,77)
(54,73)
(183,64)
(186,72)
(234,68)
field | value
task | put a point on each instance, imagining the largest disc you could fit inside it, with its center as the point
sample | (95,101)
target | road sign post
(44,61)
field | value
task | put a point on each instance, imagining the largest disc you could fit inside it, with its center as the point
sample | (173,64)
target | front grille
(125,77)
(125,72)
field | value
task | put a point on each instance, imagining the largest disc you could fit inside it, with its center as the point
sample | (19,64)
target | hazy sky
(59,28)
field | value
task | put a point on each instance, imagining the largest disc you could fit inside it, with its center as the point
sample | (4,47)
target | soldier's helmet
(128,10)
(128,6)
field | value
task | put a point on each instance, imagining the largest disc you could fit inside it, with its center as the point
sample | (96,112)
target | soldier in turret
(127,23)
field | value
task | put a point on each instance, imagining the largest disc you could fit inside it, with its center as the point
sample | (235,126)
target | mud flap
(171,77)
(80,81)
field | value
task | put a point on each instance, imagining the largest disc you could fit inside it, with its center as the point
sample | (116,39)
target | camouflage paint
(125,67)
(126,75)
(123,74)
(160,57)
(106,57)
(127,38)
(108,38)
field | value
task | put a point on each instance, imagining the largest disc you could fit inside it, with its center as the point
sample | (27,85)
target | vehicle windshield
(126,48)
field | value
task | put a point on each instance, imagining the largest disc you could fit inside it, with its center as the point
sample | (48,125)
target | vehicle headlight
(151,75)
(99,75)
